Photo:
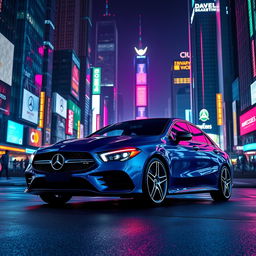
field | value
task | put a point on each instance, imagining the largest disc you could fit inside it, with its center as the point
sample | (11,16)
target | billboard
(59,105)
(76,114)
(75,82)
(141,75)
(95,111)
(181,65)
(70,122)
(34,137)
(253,93)
(96,81)
(5,97)
(30,107)
(219,106)
(14,133)
(248,122)
(6,60)
(41,110)
(141,95)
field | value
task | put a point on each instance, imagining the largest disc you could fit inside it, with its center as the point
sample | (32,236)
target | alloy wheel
(226,182)
(157,181)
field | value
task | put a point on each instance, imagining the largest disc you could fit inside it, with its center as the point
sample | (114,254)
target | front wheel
(155,182)
(55,199)
(225,186)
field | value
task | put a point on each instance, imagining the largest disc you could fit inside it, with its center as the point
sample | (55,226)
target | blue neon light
(14,133)
(249,147)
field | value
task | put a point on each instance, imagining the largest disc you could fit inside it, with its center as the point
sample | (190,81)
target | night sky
(164,31)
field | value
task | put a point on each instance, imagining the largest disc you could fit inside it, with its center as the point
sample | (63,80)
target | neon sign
(70,122)
(219,109)
(185,55)
(96,81)
(205,7)
(141,95)
(141,52)
(248,122)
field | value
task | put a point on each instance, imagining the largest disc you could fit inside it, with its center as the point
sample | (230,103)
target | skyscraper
(73,28)
(106,58)
(212,69)
(141,79)
(246,49)
(180,87)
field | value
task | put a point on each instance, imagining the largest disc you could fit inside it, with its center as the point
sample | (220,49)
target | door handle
(216,151)
(196,148)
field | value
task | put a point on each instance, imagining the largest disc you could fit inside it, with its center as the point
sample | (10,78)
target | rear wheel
(225,186)
(55,199)
(155,182)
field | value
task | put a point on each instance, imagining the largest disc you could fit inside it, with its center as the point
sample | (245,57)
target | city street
(185,225)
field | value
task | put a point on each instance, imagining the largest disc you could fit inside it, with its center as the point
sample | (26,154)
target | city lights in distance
(185,80)
(181,65)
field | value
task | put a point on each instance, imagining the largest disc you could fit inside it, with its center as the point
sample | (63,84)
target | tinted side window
(197,135)
(178,126)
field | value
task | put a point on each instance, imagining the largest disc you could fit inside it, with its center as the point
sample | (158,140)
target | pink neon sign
(141,95)
(248,122)
(70,122)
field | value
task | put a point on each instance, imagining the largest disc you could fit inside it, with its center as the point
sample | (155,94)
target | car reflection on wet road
(185,225)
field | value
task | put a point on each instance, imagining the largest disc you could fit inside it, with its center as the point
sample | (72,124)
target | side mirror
(183,136)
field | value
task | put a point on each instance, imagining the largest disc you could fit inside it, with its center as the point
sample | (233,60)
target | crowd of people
(15,166)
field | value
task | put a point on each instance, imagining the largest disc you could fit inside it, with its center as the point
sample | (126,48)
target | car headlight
(119,155)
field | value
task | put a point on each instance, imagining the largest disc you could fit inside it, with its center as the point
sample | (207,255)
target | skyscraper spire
(107,9)
(140,33)
(140,51)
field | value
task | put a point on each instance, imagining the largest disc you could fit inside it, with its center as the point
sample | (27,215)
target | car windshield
(146,127)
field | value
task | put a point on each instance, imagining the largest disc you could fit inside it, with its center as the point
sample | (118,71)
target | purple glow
(39,80)
(105,114)
(141,96)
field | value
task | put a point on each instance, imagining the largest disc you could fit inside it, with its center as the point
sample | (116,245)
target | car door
(207,163)
(185,159)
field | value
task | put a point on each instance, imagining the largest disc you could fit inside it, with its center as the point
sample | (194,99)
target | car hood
(98,143)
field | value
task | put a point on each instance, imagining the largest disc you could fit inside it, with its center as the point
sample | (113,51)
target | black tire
(225,186)
(55,199)
(155,182)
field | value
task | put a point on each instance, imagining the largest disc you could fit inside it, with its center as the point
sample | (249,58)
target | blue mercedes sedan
(147,159)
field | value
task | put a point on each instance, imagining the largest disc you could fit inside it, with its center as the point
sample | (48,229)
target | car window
(208,141)
(197,135)
(178,126)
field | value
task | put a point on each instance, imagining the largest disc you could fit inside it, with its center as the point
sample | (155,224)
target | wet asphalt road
(185,225)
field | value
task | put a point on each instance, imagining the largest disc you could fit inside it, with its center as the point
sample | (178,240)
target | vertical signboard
(96,81)
(41,110)
(219,107)
(96,90)
(5,98)
(70,122)
(75,81)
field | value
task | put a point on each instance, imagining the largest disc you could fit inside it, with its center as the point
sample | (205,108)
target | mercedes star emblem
(57,162)
(31,103)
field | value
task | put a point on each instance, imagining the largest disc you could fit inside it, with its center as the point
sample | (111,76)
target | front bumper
(111,178)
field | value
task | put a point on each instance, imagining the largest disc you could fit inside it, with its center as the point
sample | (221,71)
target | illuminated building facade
(106,58)
(246,52)
(180,87)
(73,29)
(66,82)
(212,68)
(21,131)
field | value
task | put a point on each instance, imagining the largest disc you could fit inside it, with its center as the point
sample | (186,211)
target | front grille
(73,161)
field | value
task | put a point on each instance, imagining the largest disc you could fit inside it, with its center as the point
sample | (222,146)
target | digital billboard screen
(75,81)
(6,60)
(34,137)
(248,122)
(30,107)
(14,133)
(5,97)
